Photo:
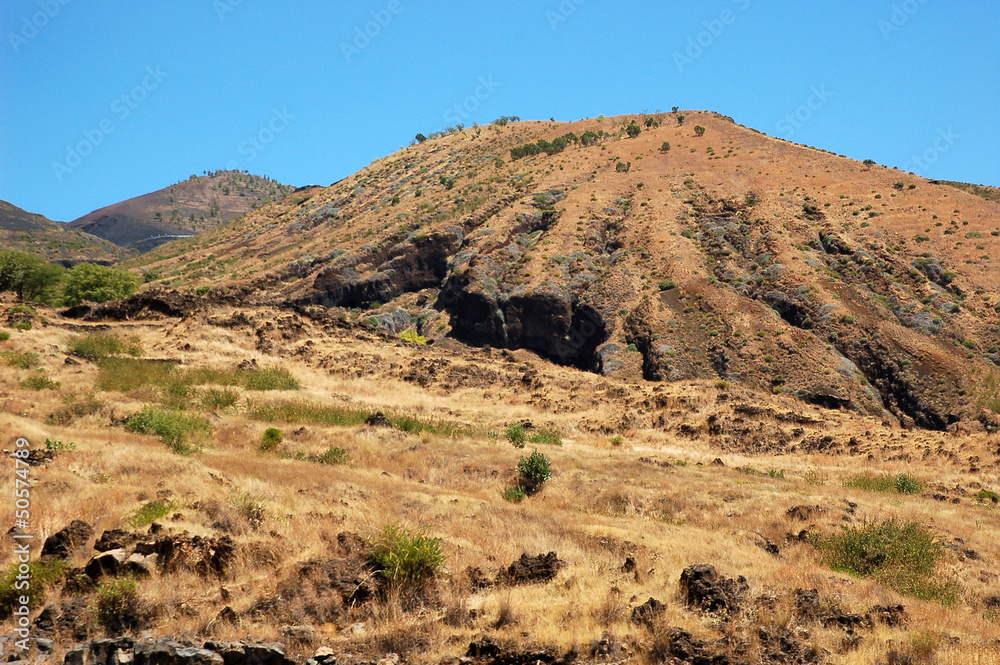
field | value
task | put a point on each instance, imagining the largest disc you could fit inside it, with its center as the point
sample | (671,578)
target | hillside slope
(731,256)
(182,209)
(24,231)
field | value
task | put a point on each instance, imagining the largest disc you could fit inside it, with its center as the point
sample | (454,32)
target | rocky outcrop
(166,651)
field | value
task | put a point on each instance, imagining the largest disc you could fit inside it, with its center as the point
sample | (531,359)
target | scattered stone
(629,565)
(647,613)
(378,419)
(114,539)
(65,543)
(106,563)
(323,656)
(530,570)
(141,565)
(890,615)
(300,634)
(718,462)
(703,588)
(477,578)
(70,361)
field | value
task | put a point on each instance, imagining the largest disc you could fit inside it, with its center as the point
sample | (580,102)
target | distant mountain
(180,210)
(25,231)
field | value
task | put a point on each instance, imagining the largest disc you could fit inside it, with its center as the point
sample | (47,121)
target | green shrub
(899,484)
(699,130)
(406,559)
(667,285)
(988,495)
(95,283)
(149,513)
(40,382)
(535,471)
(99,345)
(901,556)
(412,336)
(333,456)
(22,325)
(270,440)
(59,446)
(175,429)
(116,606)
(4,336)
(43,574)
(29,276)
(633,130)
(515,434)
(202,290)
(665,146)
(617,441)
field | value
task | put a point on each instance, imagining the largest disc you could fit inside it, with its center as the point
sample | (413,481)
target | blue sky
(102,101)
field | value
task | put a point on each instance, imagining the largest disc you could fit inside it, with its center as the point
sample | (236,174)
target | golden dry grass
(656,497)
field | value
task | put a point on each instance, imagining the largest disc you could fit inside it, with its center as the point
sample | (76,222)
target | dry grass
(604,503)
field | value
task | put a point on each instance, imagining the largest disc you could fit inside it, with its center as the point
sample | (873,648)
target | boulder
(64,544)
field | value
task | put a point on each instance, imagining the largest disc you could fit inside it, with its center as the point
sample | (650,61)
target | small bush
(513,493)
(617,441)
(412,336)
(43,574)
(116,606)
(515,434)
(899,484)
(103,345)
(23,326)
(535,471)
(4,336)
(633,130)
(333,456)
(271,440)
(665,146)
(406,559)
(59,446)
(40,382)
(149,513)
(699,130)
(902,556)
(174,428)
(667,285)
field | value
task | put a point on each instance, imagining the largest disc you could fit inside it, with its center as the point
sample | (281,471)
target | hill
(183,209)
(730,256)
(30,232)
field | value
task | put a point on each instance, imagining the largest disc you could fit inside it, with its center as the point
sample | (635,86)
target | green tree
(88,281)
(633,130)
(420,138)
(699,130)
(29,276)
(665,147)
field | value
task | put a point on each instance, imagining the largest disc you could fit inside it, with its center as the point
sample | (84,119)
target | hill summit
(181,210)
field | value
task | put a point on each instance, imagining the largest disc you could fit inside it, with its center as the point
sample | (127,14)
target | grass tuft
(407,559)
(19,360)
(40,382)
(98,345)
(901,555)
(149,513)
(899,484)
(174,428)
(43,574)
